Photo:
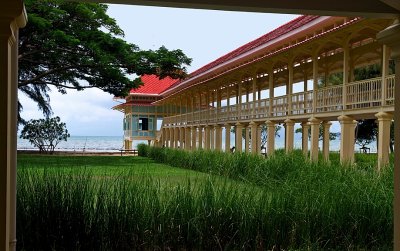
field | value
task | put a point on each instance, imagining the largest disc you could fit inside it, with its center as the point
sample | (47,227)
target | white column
(200,146)
(304,137)
(391,37)
(194,138)
(12,18)
(246,139)
(238,137)
(347,135)
(327,125)
(254,129)
(227,138)
(270,137)
(314,124)
(384,121)
(289,138)
(207,137)
(259,128)
(218,137)
(187,138)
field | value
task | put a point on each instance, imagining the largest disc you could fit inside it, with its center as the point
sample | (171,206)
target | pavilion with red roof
(303,72)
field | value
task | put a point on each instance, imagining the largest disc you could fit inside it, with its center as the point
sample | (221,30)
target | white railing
(389,85)
(361,94)
(329,98)
(302,102)
(280,105)
(364,94)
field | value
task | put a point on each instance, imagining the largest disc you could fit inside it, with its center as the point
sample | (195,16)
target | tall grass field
(212,201)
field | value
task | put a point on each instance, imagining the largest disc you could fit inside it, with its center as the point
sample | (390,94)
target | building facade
(253,87)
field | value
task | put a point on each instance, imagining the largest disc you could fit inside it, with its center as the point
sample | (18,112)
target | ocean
(83,143)
(114,143)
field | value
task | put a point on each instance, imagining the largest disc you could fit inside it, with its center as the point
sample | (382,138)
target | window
(143,124)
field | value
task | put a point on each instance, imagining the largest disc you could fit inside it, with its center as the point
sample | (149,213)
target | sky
(203,35)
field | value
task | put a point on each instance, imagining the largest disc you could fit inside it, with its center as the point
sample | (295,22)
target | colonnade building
(306,71)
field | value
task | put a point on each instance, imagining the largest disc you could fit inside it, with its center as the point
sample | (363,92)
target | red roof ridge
(281,30)
(153,85)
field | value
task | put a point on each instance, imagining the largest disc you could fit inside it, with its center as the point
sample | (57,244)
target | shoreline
(77,153)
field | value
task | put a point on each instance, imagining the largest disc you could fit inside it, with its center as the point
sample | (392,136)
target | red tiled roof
(290,26)
(153,85)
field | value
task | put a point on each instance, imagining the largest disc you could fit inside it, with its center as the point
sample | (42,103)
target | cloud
(86,113)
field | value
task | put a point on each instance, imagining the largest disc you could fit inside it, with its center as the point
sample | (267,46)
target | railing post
(346,55)
(315,82)
(271,92)
(385,72)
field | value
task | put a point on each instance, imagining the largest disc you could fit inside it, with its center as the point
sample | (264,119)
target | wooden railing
(329,99)
(363,94)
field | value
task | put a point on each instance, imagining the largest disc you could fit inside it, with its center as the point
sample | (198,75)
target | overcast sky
(203,35)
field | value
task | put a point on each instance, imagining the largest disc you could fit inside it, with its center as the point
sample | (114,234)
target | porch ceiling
(364,8)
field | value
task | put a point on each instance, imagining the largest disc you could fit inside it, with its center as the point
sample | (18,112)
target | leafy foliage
(332,135)
(264,133)
(73,45)
(366,132)
(45,134)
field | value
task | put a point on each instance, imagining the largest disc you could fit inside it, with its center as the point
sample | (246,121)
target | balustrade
(361,94)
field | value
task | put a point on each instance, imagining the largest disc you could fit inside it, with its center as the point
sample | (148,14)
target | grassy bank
(112,203)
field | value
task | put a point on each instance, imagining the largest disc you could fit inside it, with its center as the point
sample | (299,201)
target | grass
(237,201)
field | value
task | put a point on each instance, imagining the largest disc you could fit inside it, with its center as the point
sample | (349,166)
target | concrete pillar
(207,137)
(304,137)
(212,138)
(254,129)
(246,139)
(270,137)
(12,17)
(391,37)
(194,138)
(238,137)
(171,137)
(347,140)
(289,139)
(200,146)
(325,147)
(188,141)
(314,124)
(384,120)
(180,137)
(218,137)
(259,128)
(227,138)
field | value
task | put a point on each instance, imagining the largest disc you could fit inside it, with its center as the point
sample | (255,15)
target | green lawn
(107,166)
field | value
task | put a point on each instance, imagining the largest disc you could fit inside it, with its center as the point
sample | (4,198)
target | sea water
(83,143)
(114,143)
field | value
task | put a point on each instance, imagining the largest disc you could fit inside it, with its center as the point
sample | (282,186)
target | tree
(45,134)
(71,45)
(264,133)
(366,132)
(332,135)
